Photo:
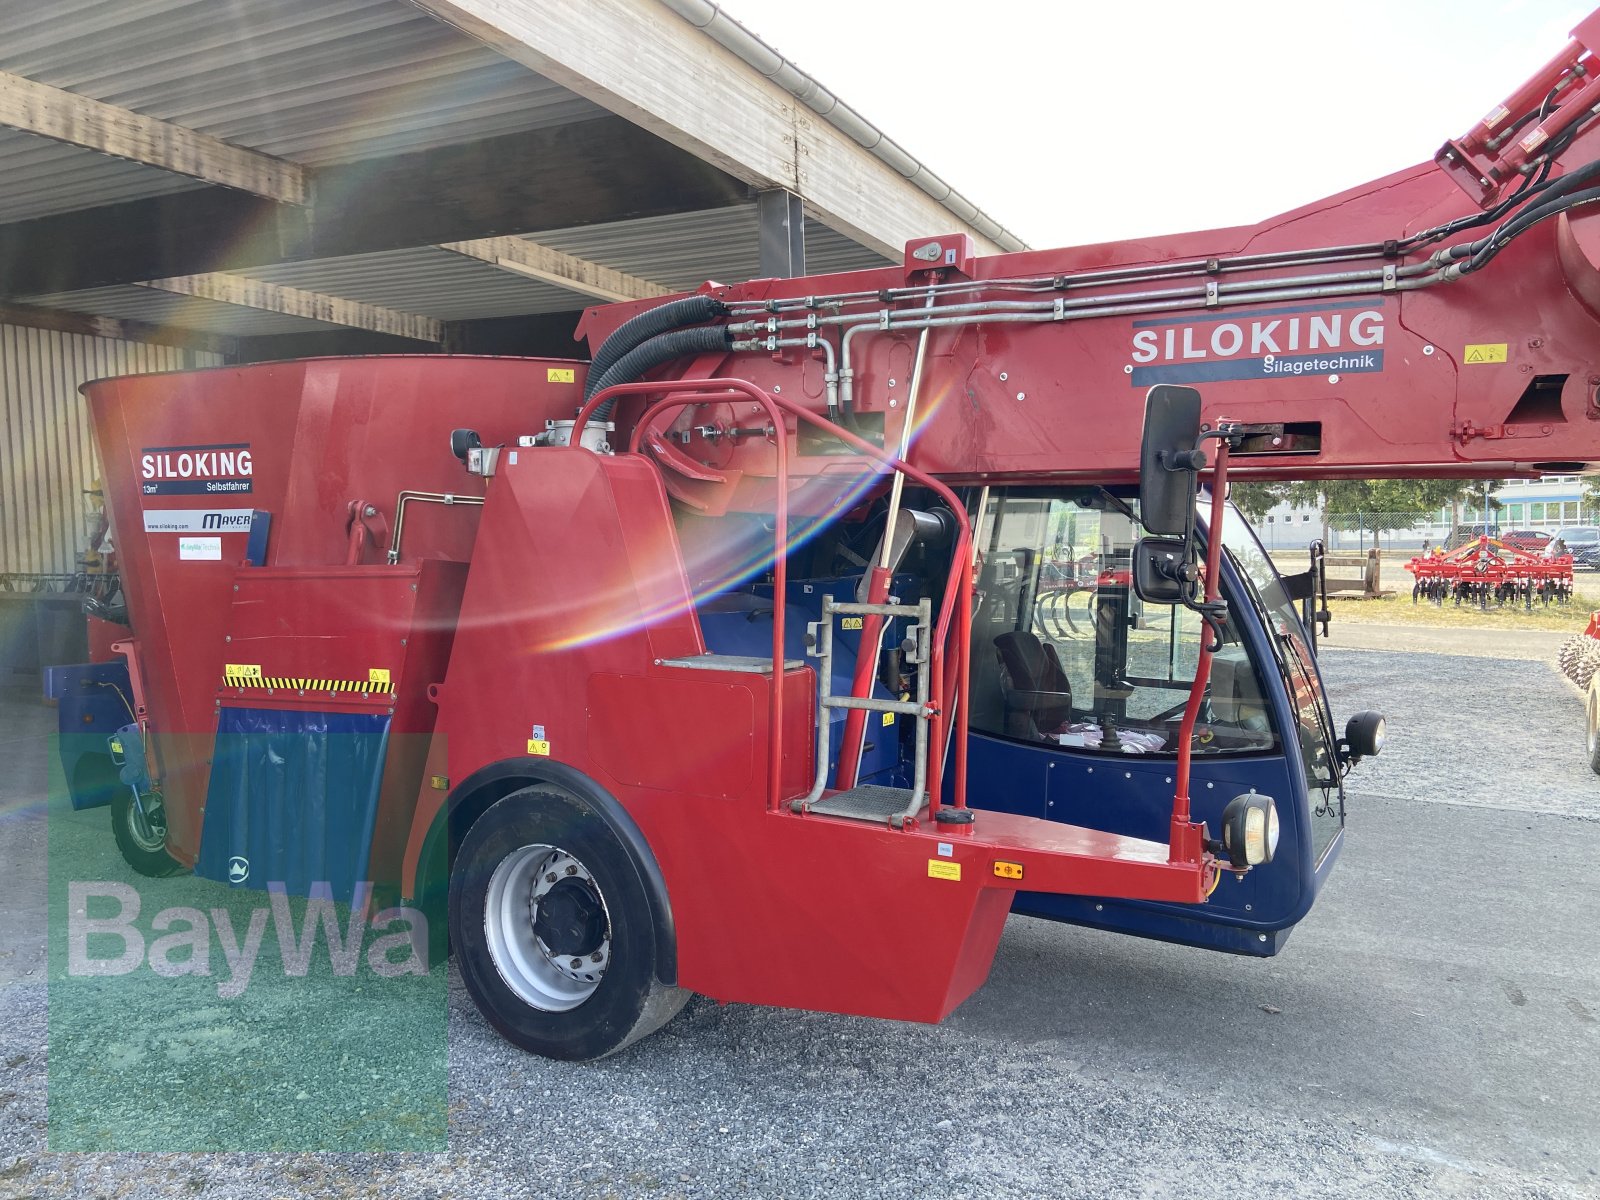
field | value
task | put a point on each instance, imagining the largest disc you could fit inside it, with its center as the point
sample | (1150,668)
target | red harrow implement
(1486,569)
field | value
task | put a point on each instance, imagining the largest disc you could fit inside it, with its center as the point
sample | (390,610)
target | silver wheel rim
(149,834)
(540,977)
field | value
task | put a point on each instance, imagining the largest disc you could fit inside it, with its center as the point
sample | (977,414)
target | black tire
(142,843)
(628,1001)
(1593,743)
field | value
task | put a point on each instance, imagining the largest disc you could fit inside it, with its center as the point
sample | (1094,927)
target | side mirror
(1168,459)
(1162,571)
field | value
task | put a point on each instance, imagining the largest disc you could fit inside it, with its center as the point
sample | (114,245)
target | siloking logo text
(196,470)
(1267,343)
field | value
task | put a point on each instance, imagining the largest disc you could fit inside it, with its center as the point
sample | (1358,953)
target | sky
(1073,123)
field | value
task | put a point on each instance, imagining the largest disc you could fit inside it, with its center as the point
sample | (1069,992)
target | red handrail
(956,606)
(1183,845)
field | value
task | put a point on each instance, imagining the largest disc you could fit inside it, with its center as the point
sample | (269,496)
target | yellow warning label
(560,375)
(939,868)
(242,670)
(888,718)
(439,783)
(849,622)
(541,748)
(1485,352)
(379,676)
(1008,870)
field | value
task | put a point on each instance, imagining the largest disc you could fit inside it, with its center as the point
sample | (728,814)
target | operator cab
(1078,692)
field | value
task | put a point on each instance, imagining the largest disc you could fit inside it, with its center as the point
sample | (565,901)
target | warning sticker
(541,748)
(888,718)
(943,870)
(849,622)
(560,375)
(242,671)
(1485,352)
(379,676)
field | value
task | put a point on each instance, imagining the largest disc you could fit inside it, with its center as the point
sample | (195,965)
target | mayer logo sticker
(1262,343)
(196,470)
(198,520)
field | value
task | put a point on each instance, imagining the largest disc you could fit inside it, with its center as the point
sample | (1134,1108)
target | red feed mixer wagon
(740,660)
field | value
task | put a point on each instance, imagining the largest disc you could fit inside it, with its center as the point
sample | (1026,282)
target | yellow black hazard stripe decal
(310,685)
(249,678)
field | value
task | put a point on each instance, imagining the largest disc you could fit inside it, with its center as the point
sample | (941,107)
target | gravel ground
(1430,1030)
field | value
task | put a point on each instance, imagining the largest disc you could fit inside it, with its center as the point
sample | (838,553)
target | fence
(1398,531)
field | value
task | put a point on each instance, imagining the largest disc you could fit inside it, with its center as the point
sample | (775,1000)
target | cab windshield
(1064,653)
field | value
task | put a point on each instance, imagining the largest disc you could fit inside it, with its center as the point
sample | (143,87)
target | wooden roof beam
(296,302)
(79,121)
(555,267)
(641,60)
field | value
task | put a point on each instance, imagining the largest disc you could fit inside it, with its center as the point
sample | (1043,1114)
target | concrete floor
(1433,1027)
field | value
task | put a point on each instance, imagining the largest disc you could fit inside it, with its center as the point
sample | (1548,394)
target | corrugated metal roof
(679,252)
(315,81)
(182,312)
(436,283)
(683,250)
(43,177)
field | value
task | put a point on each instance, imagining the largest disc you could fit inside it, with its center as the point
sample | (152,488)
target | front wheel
(141,834)
(553,929)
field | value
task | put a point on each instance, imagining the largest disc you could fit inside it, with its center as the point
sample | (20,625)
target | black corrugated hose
(660,349)
(690,310)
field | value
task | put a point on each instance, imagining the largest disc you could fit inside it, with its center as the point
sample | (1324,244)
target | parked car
(1462,534)
(1587,558)
(1531,540)
(1575,538)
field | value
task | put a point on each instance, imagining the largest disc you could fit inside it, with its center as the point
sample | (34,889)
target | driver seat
(1038,693)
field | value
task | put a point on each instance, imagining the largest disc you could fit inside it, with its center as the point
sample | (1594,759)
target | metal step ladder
(870,802)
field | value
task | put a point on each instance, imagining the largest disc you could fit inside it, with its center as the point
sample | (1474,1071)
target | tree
(1346,496)
(1256,500)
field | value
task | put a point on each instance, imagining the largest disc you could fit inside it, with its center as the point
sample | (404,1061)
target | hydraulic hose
(664,347)
(690,310)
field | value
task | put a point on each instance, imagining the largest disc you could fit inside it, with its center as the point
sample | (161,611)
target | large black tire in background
(1593,743)
(552,929)
(142,841)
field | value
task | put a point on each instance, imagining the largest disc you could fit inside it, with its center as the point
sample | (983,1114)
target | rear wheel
(553,930)
(141,834)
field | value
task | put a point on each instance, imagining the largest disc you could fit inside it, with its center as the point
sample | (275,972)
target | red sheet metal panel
(188,457)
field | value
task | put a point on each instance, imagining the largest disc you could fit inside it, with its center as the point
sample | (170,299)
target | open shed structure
(189,184)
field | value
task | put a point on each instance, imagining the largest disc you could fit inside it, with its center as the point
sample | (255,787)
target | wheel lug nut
(550,878)
(576,963)
(596,956)
(571,870)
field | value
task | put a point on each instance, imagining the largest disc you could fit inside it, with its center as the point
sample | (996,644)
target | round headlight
(1250,830)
